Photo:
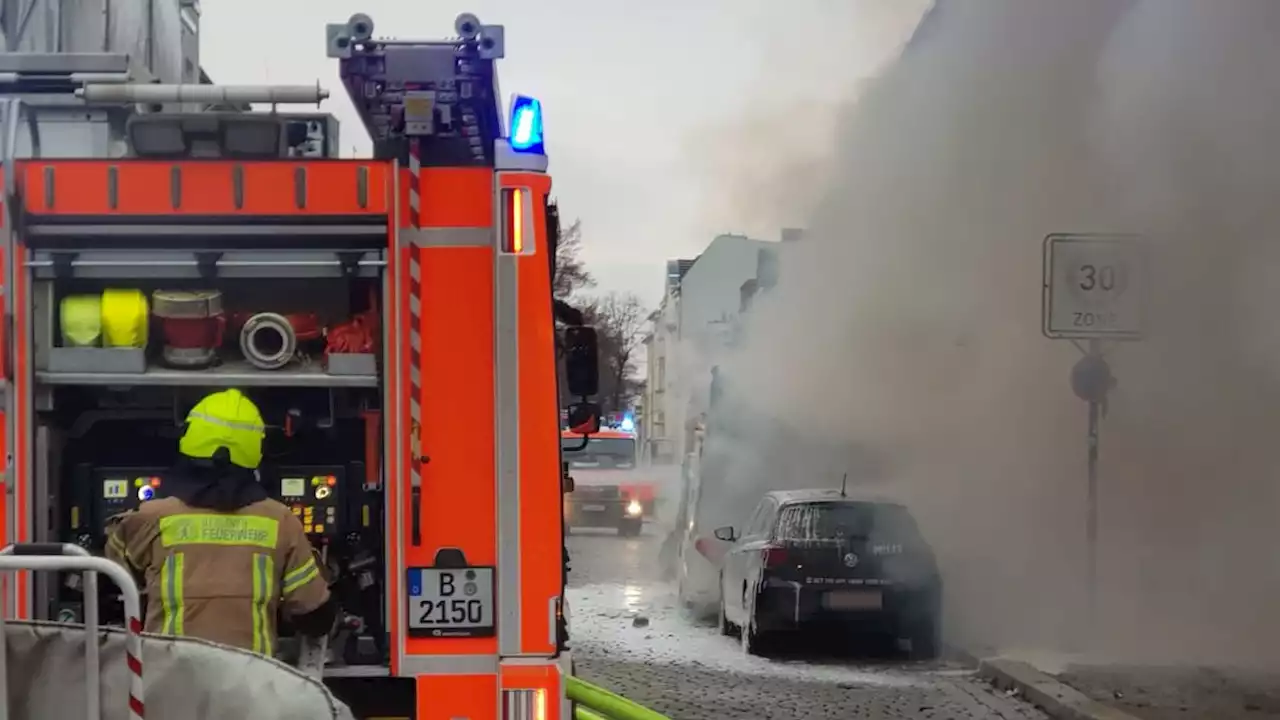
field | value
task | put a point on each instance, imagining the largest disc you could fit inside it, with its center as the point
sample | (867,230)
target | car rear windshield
(845,520)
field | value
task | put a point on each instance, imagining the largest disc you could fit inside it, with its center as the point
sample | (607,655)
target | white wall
(710,293)
(664,419)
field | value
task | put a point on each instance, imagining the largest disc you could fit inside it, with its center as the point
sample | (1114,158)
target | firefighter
(217,556)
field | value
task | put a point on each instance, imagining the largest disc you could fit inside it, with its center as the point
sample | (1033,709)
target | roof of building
(926,28)
(680,266)
(717,246)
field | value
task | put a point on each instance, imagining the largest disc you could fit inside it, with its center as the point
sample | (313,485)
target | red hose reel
(354,336)
(357,335)
(192,324)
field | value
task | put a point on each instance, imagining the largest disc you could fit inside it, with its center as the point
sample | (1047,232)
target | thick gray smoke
(908,320)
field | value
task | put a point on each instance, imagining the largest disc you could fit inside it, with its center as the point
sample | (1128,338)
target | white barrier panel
(185,679)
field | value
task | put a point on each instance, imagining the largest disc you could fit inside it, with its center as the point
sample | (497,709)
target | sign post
(1094,290)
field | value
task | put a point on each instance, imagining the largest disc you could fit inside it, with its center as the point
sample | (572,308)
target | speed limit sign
(1094,286)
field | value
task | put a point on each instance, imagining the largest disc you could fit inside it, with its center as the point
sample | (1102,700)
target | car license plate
(853,600)
(593,508)
(451,602)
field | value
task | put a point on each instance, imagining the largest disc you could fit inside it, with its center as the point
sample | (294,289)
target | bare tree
(570,273)
(619,320)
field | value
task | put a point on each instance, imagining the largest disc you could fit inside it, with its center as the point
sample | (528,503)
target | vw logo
(850,560)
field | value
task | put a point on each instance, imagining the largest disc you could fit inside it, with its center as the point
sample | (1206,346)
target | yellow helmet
(225,419)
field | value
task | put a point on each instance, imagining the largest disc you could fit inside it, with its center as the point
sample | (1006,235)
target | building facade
(660,343)
(695,327)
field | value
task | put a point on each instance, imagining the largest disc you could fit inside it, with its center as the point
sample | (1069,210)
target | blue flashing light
(628,425)
(145,493)
(526,125)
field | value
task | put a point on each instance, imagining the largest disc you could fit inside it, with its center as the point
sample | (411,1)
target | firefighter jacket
(219,575)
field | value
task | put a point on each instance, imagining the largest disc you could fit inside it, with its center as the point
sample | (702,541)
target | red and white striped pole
(133,655)
(415,339)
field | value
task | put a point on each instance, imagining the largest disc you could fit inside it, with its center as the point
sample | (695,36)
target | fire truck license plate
(451,602)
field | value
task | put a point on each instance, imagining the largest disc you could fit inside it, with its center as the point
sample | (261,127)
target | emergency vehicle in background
(391,316)
(611,489)
(598,466)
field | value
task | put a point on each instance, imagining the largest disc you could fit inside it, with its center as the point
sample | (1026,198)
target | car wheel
(629,528)
(748,634)
(726,627)
(751,638)
(926,641)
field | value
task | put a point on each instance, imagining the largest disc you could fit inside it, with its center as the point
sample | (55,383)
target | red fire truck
(392,316)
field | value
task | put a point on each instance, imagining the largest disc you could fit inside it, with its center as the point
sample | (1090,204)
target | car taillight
(704,546)
(773,557)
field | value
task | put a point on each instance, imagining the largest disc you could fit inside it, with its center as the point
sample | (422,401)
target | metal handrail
(65,557)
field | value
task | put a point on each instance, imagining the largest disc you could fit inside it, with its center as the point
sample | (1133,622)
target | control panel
(338,505)
(316,494)
(101,492)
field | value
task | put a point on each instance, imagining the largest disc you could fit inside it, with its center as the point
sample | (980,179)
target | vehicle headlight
(633,508)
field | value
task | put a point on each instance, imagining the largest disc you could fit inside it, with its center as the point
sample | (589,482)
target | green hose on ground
(582,713)
(607,704)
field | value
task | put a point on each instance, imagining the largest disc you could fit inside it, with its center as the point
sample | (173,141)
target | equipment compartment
(300,332)
(107,451)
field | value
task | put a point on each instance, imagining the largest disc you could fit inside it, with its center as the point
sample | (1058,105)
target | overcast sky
(653,109)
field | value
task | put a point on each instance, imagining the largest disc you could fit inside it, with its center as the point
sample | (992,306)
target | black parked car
(813,558)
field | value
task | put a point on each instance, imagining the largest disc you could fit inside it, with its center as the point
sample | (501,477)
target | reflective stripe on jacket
(219,576)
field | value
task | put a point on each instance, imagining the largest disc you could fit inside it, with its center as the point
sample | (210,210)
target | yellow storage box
(125,318)
(81,317)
